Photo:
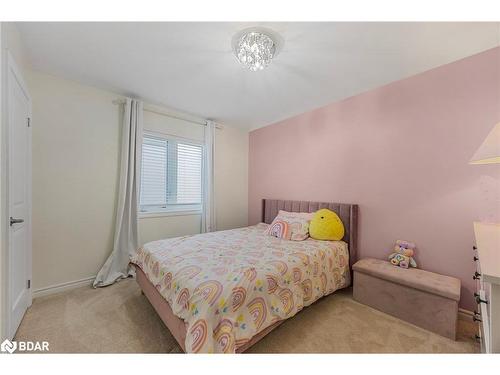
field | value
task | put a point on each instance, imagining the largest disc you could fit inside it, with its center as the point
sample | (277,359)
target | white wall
(231,178)
(76,140)
(12,41)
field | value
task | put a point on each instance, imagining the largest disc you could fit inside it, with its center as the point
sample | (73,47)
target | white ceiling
(190,66)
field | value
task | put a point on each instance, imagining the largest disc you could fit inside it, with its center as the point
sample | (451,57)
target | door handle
(15,221)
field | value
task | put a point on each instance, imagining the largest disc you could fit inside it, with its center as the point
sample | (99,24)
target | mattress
(230,285)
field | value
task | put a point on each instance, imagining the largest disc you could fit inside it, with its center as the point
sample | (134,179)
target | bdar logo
(8,346)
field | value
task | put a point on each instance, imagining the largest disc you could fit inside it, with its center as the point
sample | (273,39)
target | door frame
(12,70)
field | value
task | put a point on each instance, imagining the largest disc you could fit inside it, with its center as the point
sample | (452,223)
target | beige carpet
(119,319)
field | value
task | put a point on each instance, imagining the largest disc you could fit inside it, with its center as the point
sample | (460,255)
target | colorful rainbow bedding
(230,285)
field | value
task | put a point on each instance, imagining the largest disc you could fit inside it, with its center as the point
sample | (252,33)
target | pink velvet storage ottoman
(423,298)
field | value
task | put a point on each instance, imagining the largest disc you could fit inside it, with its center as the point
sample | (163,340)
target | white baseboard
(62,287)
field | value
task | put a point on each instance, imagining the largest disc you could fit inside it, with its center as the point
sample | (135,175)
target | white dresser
(488,285)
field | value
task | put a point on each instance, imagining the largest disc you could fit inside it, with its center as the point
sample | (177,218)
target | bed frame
(348,213)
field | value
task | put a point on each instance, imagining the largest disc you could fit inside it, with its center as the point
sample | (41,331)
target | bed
(221,292)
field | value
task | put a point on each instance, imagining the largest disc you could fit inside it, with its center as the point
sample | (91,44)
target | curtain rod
(150,109)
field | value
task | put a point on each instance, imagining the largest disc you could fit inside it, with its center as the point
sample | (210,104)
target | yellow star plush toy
(326,225)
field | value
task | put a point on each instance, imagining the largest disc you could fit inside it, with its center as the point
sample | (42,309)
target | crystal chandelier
(255,49)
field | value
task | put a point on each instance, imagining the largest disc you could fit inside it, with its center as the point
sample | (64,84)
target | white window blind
(171,176)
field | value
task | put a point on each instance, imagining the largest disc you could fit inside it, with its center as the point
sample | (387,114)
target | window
(171,176)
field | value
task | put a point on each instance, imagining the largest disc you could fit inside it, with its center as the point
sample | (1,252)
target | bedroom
(250,187)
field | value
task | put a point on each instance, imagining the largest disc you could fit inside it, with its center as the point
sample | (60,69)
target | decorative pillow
(290,225)
(279,229)
(326,225)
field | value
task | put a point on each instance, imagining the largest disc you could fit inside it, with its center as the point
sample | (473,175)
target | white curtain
(208,216)
(126,234)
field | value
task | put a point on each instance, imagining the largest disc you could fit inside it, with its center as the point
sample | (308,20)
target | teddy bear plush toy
(403,254)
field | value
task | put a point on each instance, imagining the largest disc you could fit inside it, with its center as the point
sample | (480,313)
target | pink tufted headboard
(348,213)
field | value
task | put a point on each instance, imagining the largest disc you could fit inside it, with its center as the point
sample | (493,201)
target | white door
(19,196)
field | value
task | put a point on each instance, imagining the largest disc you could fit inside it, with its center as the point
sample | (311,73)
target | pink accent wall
(401,152)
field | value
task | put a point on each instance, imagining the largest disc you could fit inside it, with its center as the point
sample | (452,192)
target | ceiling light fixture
(255,48)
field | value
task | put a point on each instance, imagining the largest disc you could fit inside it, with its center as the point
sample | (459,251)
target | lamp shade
(489,151)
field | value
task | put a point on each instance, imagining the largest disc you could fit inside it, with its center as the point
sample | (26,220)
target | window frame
(177,209)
